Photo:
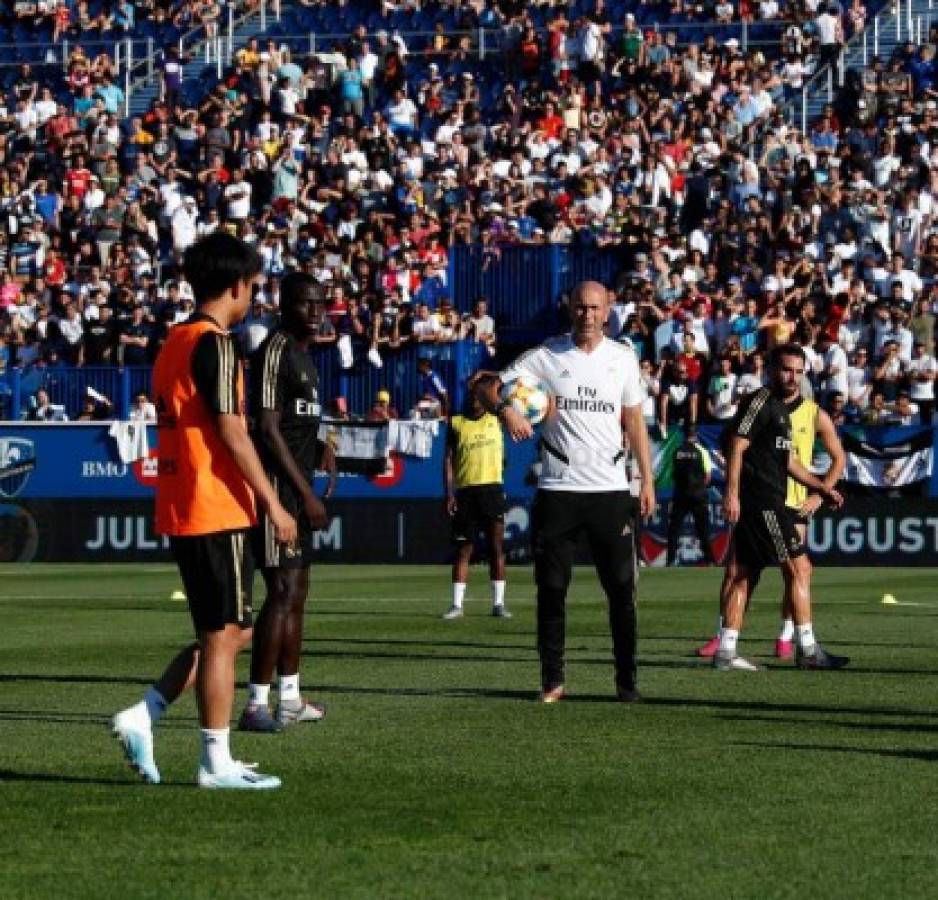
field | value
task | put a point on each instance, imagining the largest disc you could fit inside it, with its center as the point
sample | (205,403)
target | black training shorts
(797,517)
(217,573)
(476,508)
(766,536)
(268,551)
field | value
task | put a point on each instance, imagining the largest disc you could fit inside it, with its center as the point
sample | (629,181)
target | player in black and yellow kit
(285,413)
(475,499)
(808,422)
(759,462)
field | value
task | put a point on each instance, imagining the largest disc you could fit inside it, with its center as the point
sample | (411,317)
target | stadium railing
(487,41)
(524,284)
(68,386)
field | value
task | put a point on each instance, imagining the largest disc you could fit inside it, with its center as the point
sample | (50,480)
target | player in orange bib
(209,479)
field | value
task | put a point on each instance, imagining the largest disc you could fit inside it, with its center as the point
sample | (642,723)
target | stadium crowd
(364,164)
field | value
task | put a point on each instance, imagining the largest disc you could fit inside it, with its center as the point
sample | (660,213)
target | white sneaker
(733,663)
(240,777)
(454,612)
(290,712)
(135,735)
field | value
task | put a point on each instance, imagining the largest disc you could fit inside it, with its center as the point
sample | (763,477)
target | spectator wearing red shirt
(551,123)
(337,309)
(78,179)
(690,359)
(530,51)
(59,126)
(54,269)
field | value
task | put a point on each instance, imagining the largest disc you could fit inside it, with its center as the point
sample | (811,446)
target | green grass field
(435,773)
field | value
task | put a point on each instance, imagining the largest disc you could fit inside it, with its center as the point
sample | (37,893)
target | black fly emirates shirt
(284,379)
(763,420)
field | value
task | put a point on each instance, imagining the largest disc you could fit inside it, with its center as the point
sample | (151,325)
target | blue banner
(80,461)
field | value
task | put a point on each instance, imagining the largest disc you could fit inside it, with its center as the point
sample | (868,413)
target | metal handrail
(484,36)
(889,17)
(199,42)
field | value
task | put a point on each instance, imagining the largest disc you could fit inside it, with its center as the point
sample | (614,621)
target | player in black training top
(759,460)
(285,412)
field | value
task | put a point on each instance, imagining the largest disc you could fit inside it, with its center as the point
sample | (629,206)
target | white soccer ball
(527,396)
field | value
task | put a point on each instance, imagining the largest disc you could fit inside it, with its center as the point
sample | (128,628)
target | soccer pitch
(436,775)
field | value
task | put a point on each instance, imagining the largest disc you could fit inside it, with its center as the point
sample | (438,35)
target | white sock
(258,694)
(459,592)
(216,757)
(290,687)
(719,625)
(806,639)
(728,638)
(498,593)
(788,630)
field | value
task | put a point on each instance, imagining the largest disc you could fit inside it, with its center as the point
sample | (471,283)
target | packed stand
(366,162)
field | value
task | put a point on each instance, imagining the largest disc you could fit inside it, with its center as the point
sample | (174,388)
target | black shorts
(476,508)
(797,517)
(271,553)
(218,574)
(766,536)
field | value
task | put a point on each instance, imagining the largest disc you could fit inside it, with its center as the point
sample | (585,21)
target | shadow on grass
(527,696)
(51,778)
(917,613)
(897,753)
(398,642)
(644,662)
(896,645)
(417,657)
(77,679)
(372,613)
(766,707)
(96,720)
(900,727)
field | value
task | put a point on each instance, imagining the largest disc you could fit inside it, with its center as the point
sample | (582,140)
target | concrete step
(145,92)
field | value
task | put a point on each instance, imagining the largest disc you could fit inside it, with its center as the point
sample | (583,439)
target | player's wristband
(502,407)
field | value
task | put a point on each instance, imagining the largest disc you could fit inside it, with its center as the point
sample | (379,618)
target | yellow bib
(803,431)
(479,450)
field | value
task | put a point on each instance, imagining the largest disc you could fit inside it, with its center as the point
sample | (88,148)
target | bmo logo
(392,475)
(94,468)
(145,470)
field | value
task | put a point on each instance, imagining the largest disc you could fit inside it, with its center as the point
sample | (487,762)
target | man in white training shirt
(582,487)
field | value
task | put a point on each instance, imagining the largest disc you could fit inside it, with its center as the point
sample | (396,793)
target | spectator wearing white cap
(94,197)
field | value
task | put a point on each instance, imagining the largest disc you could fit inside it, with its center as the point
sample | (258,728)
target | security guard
(692,468)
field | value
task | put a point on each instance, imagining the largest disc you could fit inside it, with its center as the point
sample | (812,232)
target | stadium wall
(65,496)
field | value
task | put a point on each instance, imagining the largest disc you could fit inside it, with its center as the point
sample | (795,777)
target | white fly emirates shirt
(581,440)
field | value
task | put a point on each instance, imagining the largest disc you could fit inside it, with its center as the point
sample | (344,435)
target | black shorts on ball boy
(476,507)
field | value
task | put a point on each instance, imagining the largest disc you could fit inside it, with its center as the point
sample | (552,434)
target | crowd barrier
(68,386)
(525,283)
(65,496)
